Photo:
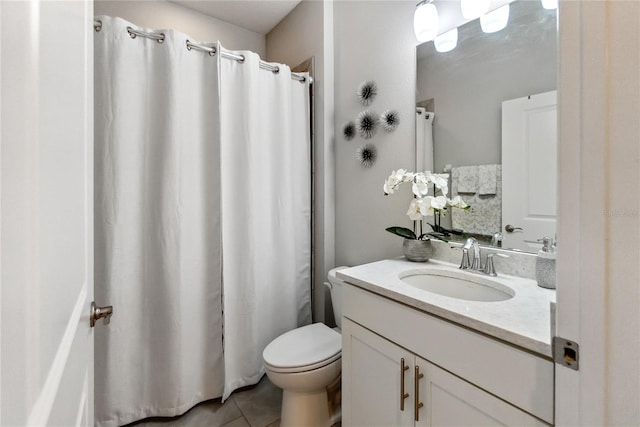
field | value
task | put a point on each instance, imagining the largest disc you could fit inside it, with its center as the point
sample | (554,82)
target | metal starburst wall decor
(390,120)
(367,123)
(349,130)
(367,155)
(367,92)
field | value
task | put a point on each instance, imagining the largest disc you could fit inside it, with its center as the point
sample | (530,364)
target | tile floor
(257,406)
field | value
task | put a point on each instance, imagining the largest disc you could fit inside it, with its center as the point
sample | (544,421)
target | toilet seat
(299,369)
(303,349)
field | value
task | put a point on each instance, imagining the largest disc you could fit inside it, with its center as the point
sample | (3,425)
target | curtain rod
(202,47)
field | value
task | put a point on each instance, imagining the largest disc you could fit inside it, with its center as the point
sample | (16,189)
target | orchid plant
(424,205)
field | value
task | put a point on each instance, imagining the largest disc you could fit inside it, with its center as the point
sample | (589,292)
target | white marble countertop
(523,320)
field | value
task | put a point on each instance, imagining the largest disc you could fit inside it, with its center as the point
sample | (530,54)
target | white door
(529,170)
(46,194)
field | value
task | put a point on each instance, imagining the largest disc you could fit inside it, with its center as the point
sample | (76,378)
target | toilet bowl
(303,363)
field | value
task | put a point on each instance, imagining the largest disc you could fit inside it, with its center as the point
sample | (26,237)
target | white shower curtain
(168,206)
(157,235)
(424,139)
(266,209)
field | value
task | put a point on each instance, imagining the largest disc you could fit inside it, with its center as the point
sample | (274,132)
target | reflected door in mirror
(529,168)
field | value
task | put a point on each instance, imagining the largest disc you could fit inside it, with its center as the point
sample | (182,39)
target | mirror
(488,109)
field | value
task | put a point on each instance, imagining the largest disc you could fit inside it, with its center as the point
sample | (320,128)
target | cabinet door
(372,379)
(451,401)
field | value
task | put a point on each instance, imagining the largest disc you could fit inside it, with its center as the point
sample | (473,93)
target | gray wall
(469,83)
(160,14)
(373,41)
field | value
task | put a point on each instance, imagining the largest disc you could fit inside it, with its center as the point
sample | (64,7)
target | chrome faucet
(489,268)
(496,239)
(471,243)
(476,265)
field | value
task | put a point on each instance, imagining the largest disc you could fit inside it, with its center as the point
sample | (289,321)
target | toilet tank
(335,285)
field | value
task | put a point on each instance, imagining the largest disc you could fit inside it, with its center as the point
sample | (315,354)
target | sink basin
(458,284)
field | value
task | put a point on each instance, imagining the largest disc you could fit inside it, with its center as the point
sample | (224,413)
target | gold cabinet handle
(418,404)
(403,395)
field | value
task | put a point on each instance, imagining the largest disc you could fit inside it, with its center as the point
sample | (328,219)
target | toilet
(304,362)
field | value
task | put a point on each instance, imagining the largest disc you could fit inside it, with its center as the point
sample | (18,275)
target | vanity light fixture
(447,41)
(495,20)
(550,4)
(472,9)
(426,21)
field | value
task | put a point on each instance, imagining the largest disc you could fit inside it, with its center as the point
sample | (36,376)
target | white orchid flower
(445,183)
(420,185)
(399,174)
(389,186)
(438,203)
(441,181)
(414,211)
(395,179)
(428,205)
(457,202)
(423,205)
(420,189)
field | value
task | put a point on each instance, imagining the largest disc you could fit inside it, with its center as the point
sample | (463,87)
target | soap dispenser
(546,264)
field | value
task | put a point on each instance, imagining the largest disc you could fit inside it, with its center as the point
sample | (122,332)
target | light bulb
(495,20)
(447,41)
(550,4)
(425,21)
(472,9)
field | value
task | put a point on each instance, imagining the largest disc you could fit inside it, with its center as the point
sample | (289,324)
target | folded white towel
(487,179)
(466,179)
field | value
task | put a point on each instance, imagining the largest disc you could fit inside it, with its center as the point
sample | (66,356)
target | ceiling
(260,16)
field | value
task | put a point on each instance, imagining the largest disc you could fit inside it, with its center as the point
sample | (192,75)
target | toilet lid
(308,345)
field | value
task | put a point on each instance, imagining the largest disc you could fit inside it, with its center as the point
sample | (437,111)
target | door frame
(598,299)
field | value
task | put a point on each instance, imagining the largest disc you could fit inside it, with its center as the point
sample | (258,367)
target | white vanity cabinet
(452,375)
(373,379)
